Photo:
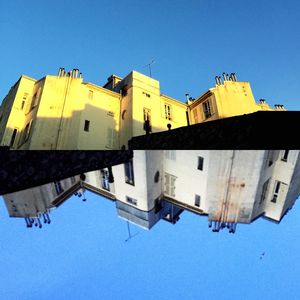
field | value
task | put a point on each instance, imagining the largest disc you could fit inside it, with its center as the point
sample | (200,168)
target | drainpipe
(62,111)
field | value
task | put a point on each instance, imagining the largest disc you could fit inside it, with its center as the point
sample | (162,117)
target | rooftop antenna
(149,66)
(129,233)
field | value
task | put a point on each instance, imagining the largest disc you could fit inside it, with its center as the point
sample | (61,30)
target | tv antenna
(149,66)
(129,233)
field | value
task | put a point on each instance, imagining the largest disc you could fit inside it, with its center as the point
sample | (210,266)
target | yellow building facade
(65,113)
(228,98)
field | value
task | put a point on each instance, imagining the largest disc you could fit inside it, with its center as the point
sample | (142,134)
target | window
(170,154)
(91,94)
(170,184)
(270,158)
(129,175)
(207,110)
(27,131)
(58,187)
(24,101)
(195,113)
(147,114)
(147,120)
(276,191)
(147,95)
(123,114)
(13,137)
(72,180)
(131,200)
(124,90)
(200,163)
(197,200)
(110,137)
(35,99)
(22,104)
(168,112)
(285,155)
(86,125)
(104,179)
(264,191)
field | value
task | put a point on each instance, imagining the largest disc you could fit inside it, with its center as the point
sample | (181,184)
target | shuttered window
(170,185)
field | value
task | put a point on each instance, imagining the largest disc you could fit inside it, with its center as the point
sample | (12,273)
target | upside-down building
(226,186)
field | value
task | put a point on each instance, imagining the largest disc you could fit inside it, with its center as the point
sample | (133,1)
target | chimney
(262,101)
(224,76)
(187,97)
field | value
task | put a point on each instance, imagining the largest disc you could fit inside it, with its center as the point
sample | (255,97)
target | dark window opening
(105,179)
(131,200)
(129,175)
(124,90)
(200,163)
(264,191)
(156,177)
(147,120)
(58,187)
(168,112)
(207,109)
(86,125)
(285,155)
(22,104)
(276,191)
(13,137)
(197,200)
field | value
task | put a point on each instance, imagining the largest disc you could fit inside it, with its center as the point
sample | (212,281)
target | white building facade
(226,186)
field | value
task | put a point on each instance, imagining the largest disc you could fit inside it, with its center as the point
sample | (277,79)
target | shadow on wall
(89,129)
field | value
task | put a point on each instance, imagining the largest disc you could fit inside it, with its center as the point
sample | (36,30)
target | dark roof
(259,130)
(21,170)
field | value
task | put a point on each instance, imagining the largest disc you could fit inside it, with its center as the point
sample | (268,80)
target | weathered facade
(228,187)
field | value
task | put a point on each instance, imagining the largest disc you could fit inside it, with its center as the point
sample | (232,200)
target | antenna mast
(149,66)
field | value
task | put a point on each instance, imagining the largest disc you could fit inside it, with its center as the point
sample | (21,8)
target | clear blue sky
(82,254)
(191,42)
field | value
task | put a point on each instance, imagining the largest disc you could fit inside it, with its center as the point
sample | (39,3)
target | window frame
(207,109)
(200,164)
(168,111)
(105,179)
(285,155)
(129,172)
(197,200)
(276,191)
(86,126)
(58,188)
(131,200)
